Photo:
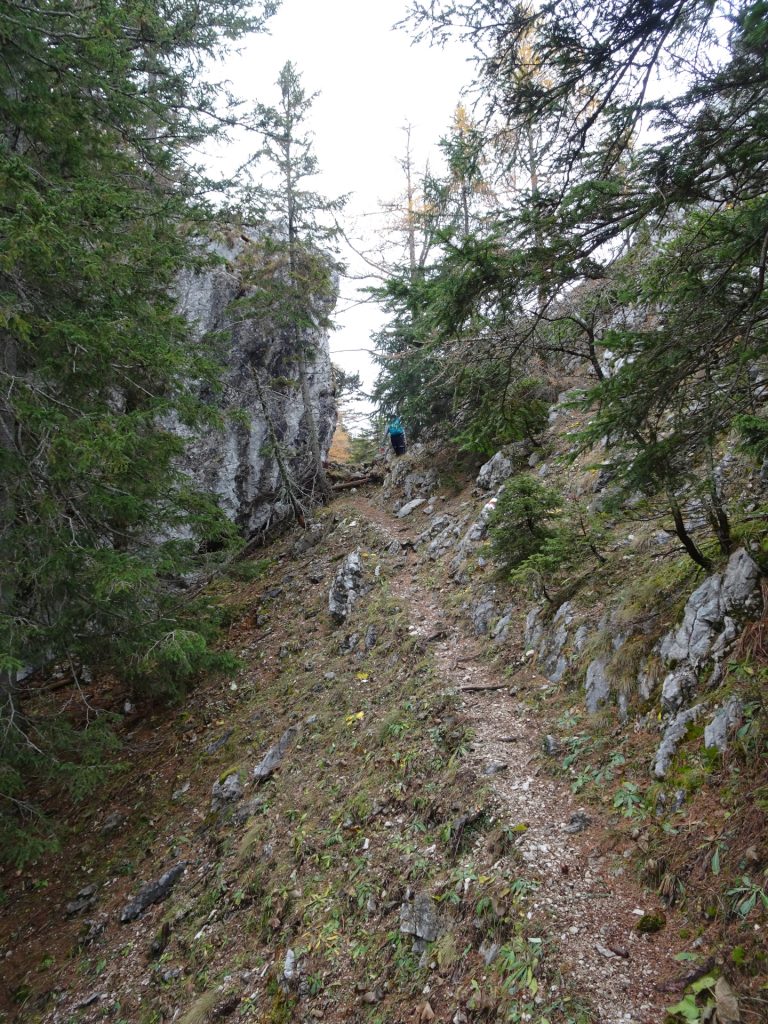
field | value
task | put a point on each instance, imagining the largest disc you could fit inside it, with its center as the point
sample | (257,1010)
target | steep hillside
(392,812)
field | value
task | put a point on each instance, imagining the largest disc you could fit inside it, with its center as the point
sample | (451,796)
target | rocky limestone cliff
(234,462)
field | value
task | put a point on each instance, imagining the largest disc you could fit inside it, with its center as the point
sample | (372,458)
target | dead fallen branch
(371,478)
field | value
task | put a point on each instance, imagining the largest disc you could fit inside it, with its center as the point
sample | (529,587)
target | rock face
(688,661)
(597,685)
(419,918)
(709,627)
(494,472)
(673,736)
(476,533)
(405,477)
(233,462)
(152,892)
(710,610)
(483,611)
(273,758)
(724,722)
(346,587)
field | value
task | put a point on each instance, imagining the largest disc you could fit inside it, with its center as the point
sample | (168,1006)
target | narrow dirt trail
(586,893)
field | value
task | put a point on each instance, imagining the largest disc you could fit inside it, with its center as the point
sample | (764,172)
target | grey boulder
(84,900)
(274,756)
(227,792)
(723,722)
(494,472)
(419,918)
(152,892)
(409,507)
(673,736)
(346,588)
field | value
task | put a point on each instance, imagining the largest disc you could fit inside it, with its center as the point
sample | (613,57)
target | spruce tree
(294,273)
(98,104)
(644,232)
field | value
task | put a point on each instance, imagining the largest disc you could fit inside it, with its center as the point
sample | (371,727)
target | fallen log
(371,478)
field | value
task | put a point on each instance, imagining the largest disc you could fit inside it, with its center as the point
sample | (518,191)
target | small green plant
(747,896)
(628,799)
(649,924)
(315,983)
(522,888)
(405,960)
(569,719)
(696,1002)
(715,860)
(598,776)
(708,999)
(517,963)
(578,745)
(393,727)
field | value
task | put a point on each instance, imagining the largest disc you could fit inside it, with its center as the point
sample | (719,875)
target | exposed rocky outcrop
(494,472)
(477,532)
(597,685)
(725,720)
(439,537)
(712,610)
(233,461)
(549,640)
(273,758)
(712,621)
(674,733)
(346,587)
(419,918)
(505,463)
(409,478)
(483,611)
(152,892)
(694,650)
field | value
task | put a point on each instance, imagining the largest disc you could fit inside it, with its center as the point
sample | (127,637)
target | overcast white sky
(371,81)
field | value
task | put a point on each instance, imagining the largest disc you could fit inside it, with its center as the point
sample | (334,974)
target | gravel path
(587,891)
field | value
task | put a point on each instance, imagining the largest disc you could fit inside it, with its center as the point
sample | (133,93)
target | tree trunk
(685,538)
(410,206)
(8,676)
(314,440)
(717,515)
(285,476)
(593,353)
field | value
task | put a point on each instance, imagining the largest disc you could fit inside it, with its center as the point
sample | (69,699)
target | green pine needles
(595,233)
(99,212)
(539,538)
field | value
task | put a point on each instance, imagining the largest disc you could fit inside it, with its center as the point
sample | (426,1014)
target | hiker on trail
(397,435)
